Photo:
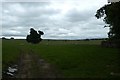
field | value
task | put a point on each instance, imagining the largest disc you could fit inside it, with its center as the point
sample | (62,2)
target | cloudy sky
(67,19)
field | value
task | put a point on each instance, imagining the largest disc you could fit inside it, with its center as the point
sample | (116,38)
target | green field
(73,59)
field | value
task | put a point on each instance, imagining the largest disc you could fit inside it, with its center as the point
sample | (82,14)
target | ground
(69,59)
(31,66)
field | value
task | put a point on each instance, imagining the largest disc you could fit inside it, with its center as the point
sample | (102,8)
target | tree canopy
(34,37)
(111,15)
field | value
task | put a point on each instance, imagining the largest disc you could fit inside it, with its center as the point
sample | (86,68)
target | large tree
(34,37)
(111,15)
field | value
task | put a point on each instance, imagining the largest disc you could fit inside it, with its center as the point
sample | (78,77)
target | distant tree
(3,38)
(11,38)
(87,39)
(111,14)
(34,37)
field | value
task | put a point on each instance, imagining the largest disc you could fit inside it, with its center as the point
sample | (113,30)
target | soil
(32,66)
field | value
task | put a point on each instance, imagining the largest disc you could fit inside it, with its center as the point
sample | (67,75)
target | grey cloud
(28,9)
(19,17)
(25,0)
(30,16)
(16,35)
(79,16)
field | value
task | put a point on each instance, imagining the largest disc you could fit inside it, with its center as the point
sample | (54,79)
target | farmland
(73,59)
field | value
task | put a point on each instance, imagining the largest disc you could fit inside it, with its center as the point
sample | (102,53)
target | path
(31,66)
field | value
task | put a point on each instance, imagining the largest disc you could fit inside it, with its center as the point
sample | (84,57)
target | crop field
(73,59)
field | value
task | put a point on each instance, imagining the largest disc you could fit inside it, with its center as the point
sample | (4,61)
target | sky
(58,19)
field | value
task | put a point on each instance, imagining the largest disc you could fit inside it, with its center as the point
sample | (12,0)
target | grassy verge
(10,52)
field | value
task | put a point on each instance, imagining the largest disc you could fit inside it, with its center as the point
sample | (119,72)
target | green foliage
(111,14)
(34,37)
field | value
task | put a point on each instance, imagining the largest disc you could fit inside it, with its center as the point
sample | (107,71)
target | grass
(74,59)
(81,60)
(10,52)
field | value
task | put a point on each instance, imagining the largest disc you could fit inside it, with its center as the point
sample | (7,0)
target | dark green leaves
(111,14)
(34,37)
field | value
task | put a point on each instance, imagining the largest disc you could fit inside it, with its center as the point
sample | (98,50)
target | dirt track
(32,66)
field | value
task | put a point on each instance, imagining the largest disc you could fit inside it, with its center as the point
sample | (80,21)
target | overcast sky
(67,19)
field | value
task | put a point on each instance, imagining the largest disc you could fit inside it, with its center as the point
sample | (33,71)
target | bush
(34,37)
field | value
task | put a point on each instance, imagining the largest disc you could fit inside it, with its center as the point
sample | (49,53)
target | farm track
(31,66)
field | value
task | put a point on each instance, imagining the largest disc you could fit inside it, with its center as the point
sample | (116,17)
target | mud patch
(32,66)
(10,72)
